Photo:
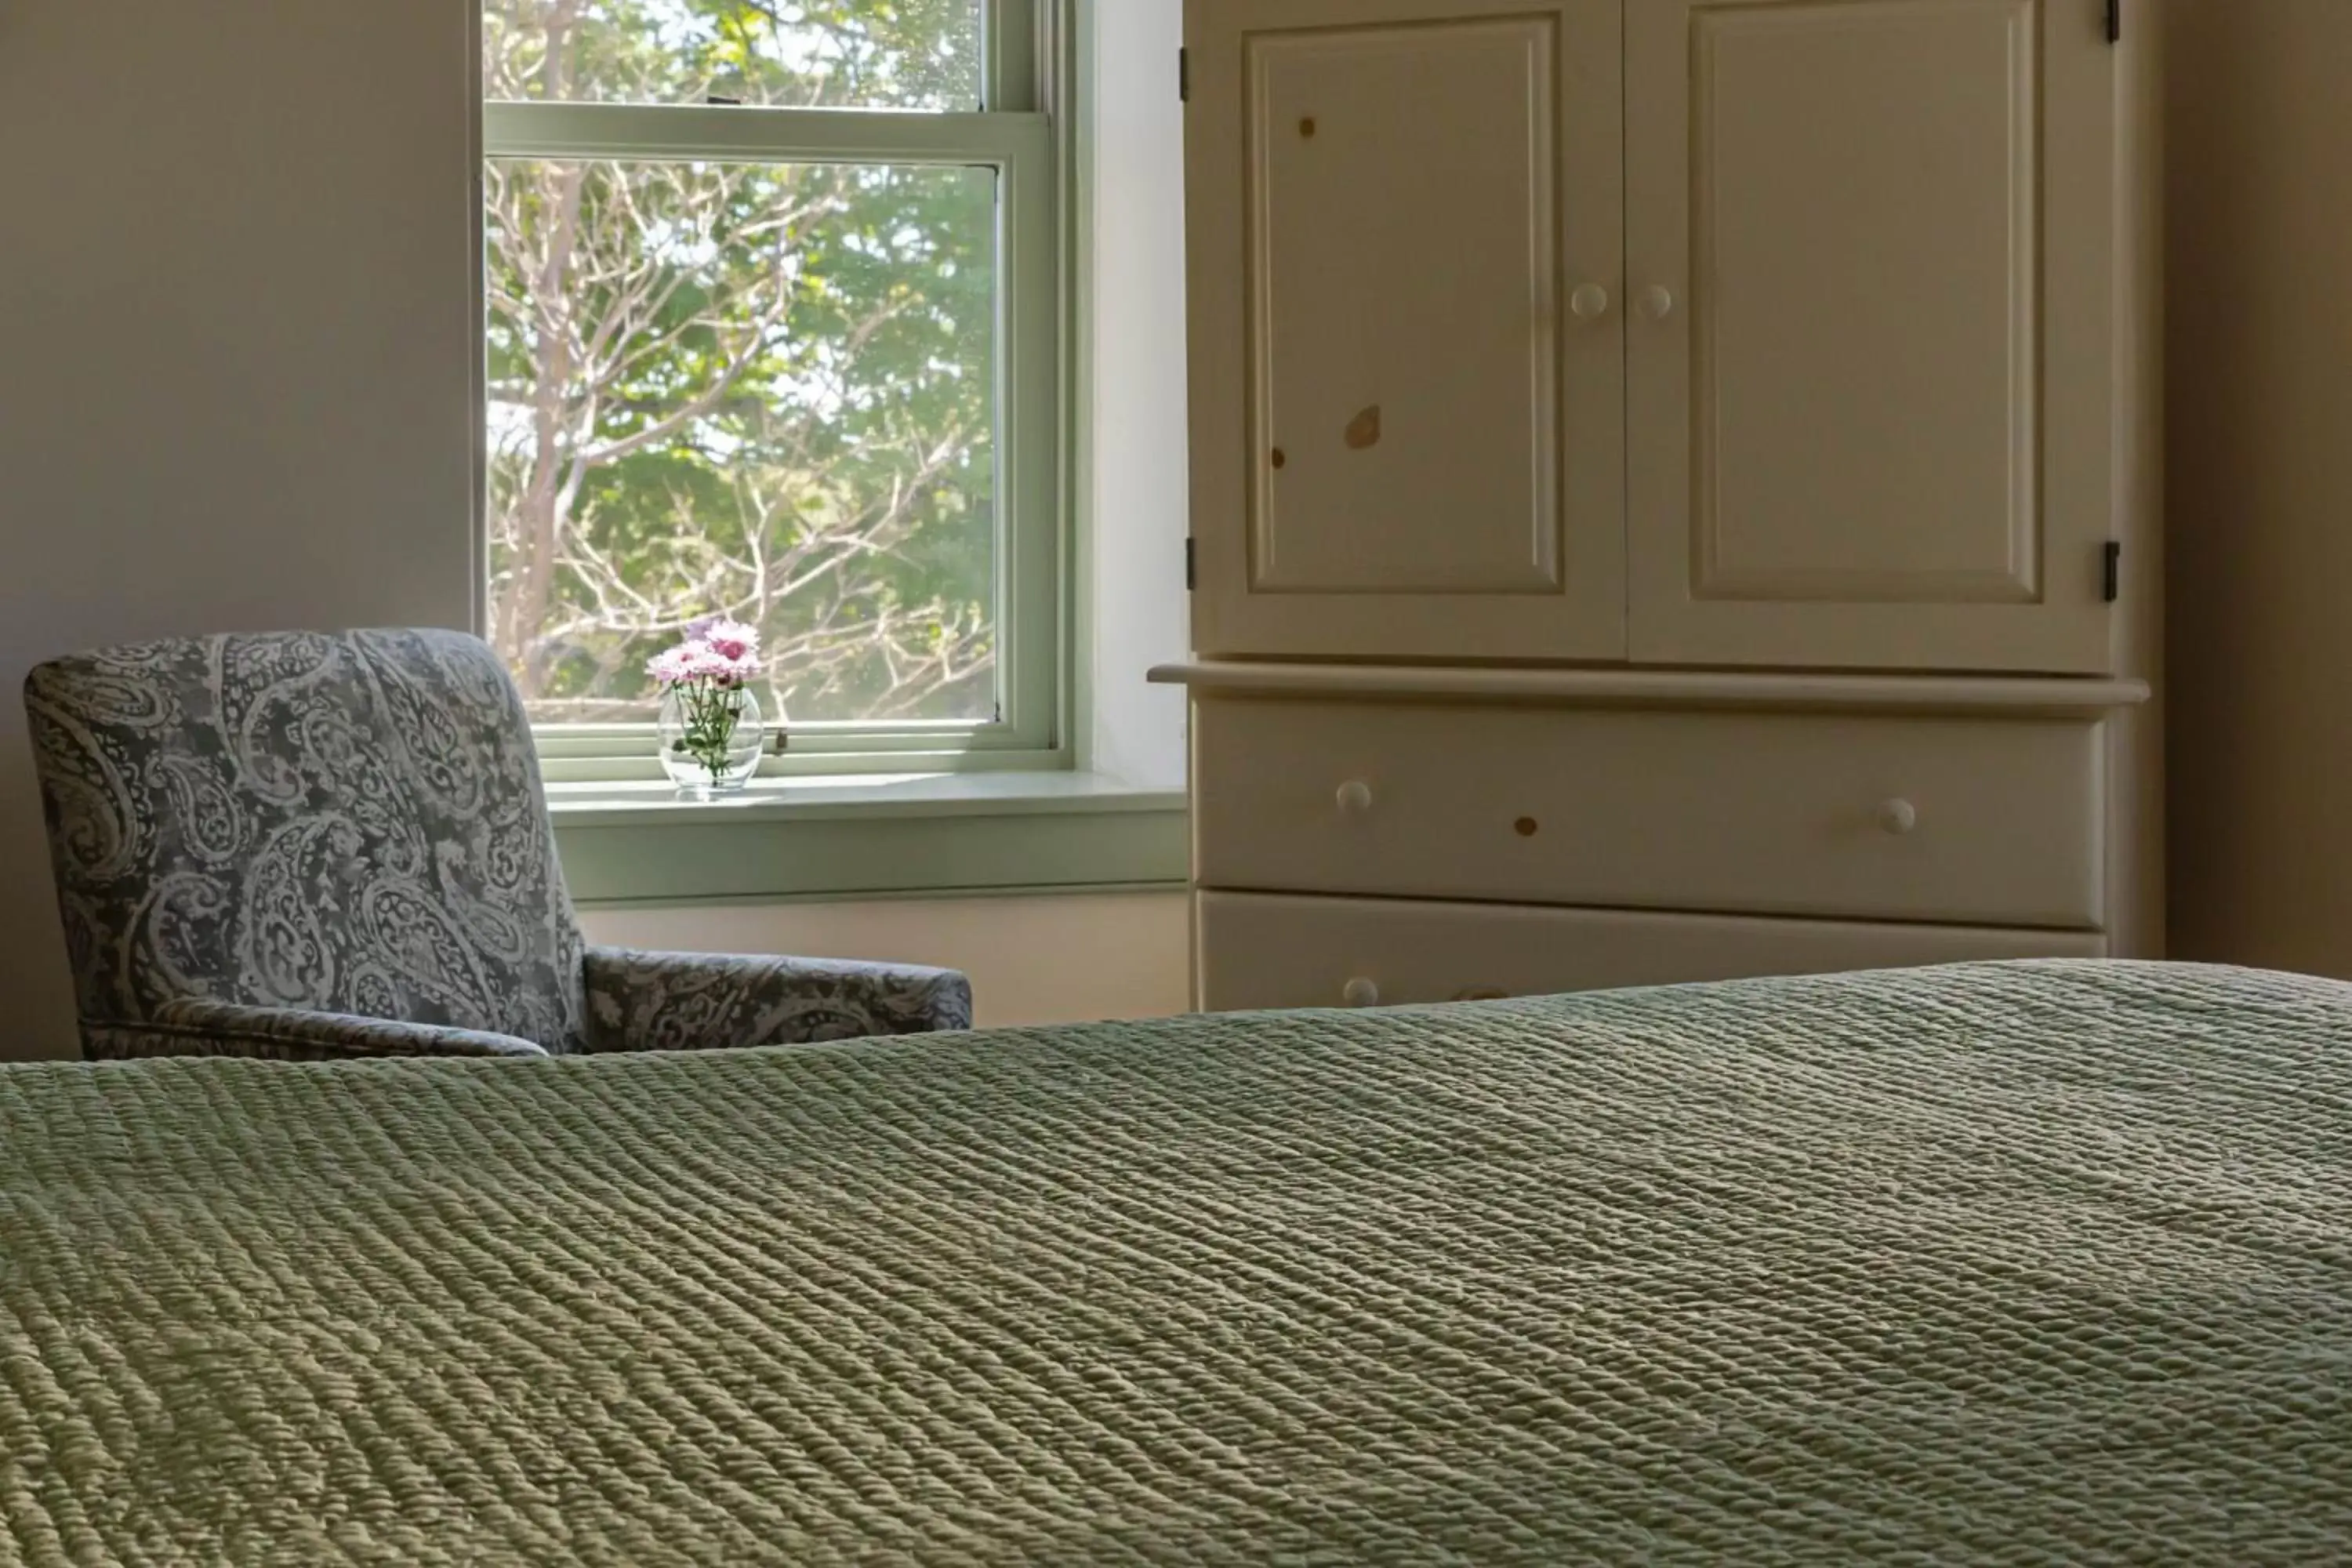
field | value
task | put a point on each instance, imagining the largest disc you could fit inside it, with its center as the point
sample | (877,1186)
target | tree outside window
(767,388)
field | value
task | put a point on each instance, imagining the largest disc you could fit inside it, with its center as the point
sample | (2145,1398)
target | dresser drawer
(1264,951)
(1956,820)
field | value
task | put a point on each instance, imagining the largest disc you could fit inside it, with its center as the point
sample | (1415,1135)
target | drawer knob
(1657,302)
(1898,816)
(1590,302)
(1354,797)
(1360,993)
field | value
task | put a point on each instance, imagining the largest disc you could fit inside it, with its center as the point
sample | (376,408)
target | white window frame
(1021,132)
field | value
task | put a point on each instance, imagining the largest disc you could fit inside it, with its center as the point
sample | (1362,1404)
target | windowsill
(868,836)
(834,795)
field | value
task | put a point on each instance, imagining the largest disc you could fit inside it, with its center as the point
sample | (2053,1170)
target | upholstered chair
(318,846)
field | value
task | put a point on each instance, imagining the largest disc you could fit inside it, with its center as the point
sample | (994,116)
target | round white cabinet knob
(1898,816)
(1590,302)
(1354,797)
(1657,302)
(1360,993)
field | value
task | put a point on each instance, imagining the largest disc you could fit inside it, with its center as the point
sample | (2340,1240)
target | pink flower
(720,653)
(731,640)
(669,666)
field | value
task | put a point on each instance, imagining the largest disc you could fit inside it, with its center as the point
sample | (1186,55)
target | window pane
(844,54)
(766,390)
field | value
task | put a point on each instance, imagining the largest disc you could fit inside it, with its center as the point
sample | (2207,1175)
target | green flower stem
(712,712)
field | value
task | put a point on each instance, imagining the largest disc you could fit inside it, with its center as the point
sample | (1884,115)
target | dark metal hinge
(1191,565)
(1184,75)
(2114,578)
(2115,21)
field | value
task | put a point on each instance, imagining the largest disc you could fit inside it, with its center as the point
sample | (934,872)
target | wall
(1138,489)
(235,323)
(1032,961)
(2259,342)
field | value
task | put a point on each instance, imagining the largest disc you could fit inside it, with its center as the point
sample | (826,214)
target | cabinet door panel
(1401,282)
(1408,359)
(1873,393)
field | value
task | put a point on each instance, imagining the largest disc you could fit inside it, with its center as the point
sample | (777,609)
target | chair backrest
(352,823)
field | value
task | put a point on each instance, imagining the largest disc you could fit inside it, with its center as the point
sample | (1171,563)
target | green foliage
(865,54)
(765,390)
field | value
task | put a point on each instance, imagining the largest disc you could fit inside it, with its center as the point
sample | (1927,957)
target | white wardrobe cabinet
(1664,460)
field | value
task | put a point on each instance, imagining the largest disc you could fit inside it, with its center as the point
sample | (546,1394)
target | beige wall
(1032,961)
(2259,137)
(234,320)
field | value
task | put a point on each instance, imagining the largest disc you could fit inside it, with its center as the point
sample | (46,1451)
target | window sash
(1019,144)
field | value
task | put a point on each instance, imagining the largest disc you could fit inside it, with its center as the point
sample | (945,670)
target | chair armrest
(692,1001)
(192,1026)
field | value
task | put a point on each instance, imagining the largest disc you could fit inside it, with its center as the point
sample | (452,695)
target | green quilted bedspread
(2006,1263)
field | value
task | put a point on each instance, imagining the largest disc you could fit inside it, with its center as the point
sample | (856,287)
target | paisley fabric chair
(315,847)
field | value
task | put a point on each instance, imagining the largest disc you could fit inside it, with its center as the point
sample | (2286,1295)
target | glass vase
(712,738)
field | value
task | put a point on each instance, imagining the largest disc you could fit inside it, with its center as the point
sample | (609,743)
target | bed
(2036,1262)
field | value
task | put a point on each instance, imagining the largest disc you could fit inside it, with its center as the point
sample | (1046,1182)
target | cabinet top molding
(2052,695)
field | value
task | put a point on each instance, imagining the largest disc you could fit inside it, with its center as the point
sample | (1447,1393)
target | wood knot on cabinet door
(1307,126)
(1526,827)
(1364,429)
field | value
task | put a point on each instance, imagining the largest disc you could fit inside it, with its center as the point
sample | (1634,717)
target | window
(773,305)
